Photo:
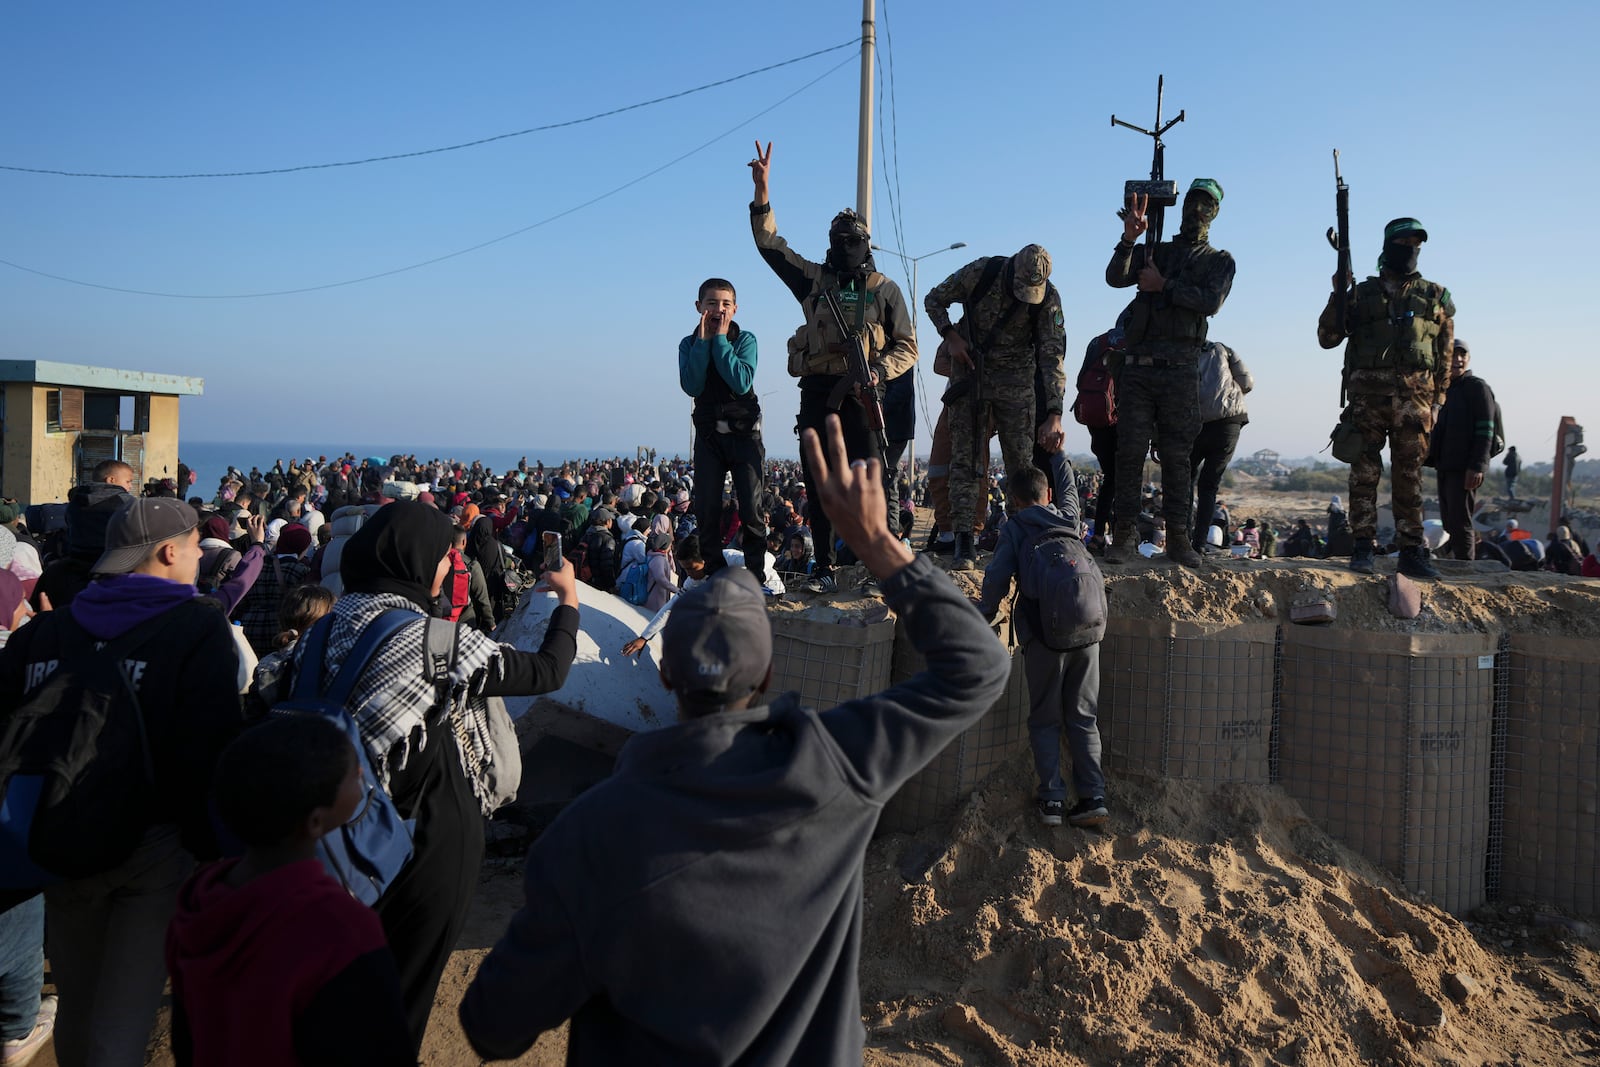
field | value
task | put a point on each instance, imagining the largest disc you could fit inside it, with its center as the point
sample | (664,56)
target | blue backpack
(1061,589)
(633,584)
(366,854)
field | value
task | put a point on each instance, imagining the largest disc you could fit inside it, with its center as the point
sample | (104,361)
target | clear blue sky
(1475,117)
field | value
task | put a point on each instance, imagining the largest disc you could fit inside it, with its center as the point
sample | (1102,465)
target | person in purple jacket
(703,904)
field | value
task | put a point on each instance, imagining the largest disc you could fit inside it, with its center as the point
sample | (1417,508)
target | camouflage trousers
(939,473)
(1159,405)
(1009,408)
(1403,421)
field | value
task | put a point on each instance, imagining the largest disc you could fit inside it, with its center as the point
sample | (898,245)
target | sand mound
(1226,590)
(1194,928)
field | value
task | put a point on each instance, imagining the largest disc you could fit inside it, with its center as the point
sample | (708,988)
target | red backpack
(457,584)
(1096,406)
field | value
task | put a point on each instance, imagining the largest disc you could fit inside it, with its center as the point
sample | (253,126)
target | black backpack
(1061,588)
(76,773)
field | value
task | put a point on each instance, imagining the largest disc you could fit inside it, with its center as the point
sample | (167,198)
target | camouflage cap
(1030,274)
(848,222)
(1402,228)
(1210,186)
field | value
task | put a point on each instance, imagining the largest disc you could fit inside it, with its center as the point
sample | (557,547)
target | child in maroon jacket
(272,962)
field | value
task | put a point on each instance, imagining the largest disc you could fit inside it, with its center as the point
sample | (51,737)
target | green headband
(1208,186)
(1401,227)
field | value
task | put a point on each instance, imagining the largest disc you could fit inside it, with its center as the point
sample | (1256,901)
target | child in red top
(272,962)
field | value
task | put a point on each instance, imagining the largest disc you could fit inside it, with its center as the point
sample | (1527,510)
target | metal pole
(911,448)
(864,145)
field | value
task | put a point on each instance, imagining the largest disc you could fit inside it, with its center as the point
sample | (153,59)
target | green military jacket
(1198,280)
(1032,342)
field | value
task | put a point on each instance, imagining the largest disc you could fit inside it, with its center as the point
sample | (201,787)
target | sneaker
(869,587)
(945,545)
(1090,811)
(21,1050)
(821,583)
(1050,812)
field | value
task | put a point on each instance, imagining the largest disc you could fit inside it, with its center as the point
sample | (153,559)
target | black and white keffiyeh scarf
(395,703)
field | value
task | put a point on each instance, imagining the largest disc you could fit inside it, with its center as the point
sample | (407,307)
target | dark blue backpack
(1061,589)
(367,853)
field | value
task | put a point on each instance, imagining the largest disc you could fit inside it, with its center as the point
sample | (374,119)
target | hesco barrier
(828,663)
(934,792)
(1187,700)
(1467,764)
(1548,822)
(1385,740)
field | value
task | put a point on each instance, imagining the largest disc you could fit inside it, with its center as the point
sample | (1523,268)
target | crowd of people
(294,693)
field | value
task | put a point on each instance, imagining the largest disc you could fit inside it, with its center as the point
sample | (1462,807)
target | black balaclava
(849,244)
(1199,210)
(1400,258)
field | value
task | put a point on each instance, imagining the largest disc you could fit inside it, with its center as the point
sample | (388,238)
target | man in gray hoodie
(1063,686)
(703,904)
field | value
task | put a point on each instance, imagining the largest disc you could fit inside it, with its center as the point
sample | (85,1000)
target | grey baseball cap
(140,525)
(717,645)
(1461,346)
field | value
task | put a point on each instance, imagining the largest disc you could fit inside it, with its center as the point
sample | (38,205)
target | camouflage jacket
(892,334)
(1031,343)
(1198,280)
(1430,383)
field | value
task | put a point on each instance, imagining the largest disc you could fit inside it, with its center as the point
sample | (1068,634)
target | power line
(459,252)
(447,148)
(897,203)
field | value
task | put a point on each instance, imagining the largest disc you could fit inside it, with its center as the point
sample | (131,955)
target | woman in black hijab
(428,747)
(484,546)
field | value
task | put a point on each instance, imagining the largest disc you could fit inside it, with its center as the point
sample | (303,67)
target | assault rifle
(1340,240)
(858,373)
(1162,193)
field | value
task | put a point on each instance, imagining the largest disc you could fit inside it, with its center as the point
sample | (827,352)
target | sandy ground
(1195,927)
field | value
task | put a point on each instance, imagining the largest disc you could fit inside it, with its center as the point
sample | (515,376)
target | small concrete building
(59,420)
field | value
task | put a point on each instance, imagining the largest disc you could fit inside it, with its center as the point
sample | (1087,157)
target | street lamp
(915,308)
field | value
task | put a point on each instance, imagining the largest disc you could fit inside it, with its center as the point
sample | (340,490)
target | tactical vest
(818,348)
(1400,337)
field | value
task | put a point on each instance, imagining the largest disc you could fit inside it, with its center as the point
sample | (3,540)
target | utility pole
(869,40)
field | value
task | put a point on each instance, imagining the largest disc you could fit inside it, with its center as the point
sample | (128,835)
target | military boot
(1179,550)
(966,554)
(1124,547)
(1361,557)
(1414,562)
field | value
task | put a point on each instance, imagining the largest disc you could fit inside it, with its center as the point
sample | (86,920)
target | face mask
(1400,258)
(847,253)
(1198,213)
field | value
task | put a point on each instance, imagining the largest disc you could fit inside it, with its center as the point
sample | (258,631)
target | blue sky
(1476,118)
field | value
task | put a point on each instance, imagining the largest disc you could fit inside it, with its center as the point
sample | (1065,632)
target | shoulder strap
(990,273)
(115,650)
(344,680)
